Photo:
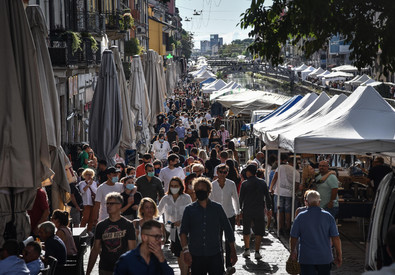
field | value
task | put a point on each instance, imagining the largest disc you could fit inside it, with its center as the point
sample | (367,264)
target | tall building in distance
(216,40)
(205,46)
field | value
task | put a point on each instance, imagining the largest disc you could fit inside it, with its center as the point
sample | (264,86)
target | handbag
(93,195)
(292,266)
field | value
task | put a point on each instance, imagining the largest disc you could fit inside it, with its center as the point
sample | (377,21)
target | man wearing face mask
(157,167)
(111,185)
(172,170)
(161,148)
(149,185)
(131,198)
(201,225)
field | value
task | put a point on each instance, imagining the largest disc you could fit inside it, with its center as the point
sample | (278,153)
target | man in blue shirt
(54,246)
(10,263)
(147,258)
(202,222)
(31,254)
(315,228)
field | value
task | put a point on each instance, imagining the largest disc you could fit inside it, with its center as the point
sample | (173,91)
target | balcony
(62,55)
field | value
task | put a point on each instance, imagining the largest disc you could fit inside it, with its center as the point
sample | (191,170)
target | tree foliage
(235,48)
(369,26)
(186,44)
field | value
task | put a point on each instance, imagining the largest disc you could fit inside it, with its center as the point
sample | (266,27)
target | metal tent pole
(293,189)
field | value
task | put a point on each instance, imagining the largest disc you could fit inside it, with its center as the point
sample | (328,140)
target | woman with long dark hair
(211,163)
(233,174)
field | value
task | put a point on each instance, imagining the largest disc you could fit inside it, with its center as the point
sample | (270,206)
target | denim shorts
(285,204)
(204,141)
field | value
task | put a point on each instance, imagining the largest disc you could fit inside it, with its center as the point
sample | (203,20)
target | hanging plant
(126,21)
(76,44)
(94,44)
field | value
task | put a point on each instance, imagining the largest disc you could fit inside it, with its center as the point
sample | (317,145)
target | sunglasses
(157,237)
(223,172)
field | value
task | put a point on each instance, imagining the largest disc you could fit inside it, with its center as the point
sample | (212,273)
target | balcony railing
(62,55)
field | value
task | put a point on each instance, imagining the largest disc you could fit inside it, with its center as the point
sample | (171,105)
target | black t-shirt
(171,136)
(204,130)
(377,173)
(159,119)
(77,194)
(130,211)
(190,140)
(114,238)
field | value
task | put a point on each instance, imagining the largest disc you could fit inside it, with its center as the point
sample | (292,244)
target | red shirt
(140,171)
(40,204)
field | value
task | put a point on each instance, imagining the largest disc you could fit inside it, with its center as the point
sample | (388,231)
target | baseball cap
(112,169)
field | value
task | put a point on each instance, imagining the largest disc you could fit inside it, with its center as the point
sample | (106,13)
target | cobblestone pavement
(275,253)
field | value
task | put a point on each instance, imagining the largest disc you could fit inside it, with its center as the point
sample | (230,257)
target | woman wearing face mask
(173,205)
(214,139)
(88,189)
(131,198)
(189,140)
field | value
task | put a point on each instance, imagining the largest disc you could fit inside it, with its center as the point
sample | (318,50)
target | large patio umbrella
(155,85)
(170,76)
(51,111)
(128,133)
(105,121)
(140,105)
(162,80)
(24,157)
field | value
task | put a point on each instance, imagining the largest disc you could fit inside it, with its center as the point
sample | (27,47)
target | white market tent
(316,72)
(306,72)
(270,136)
(321,75)
(248,101)
(345,68)
(360,80)
(261,127)
(195,73)
(364,123)
(231,86)
(300,68)
(367,82)
(214,86)
(287,136)
(333,76)
(203,76)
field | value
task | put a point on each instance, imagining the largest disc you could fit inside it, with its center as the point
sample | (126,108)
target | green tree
(186,44)
(368,25)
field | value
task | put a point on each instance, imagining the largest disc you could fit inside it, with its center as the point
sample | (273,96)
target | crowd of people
(189,190)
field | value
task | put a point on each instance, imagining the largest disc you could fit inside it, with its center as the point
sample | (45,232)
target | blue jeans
(318,269)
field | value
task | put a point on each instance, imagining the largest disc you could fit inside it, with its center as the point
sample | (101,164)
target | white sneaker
(230,270)
(258,256)
(246,253)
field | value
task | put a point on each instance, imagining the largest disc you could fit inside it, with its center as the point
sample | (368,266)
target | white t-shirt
(226,196)
(284,182)
(86,195)
(161,149)
(208,116)
(166,174)
(101,194)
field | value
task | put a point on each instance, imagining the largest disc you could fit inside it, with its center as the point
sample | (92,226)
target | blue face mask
(187,173)
(161,140)
(130,186)
(157,171)
(114,179)
(151,174)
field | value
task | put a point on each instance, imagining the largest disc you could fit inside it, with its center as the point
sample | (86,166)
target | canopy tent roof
(300,68)
(321,75)
(354,79)
(316,72)
(287,135)
(232,97)
(249,100)
(283,108)
(207,81)
(345,68)
(214,86)
(306,71)
(271,136)
(337,74)
(203,75)
(360,80)
(365,123)
(195,73)
(224,90)
(367,82)
(260,127)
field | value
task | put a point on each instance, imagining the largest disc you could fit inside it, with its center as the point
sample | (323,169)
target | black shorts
(256,222)
(175,247)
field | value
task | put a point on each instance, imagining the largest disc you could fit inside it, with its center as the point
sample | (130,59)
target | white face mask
(174,190)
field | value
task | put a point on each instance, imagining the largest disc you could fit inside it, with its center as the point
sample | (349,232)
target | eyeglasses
(223,172)
(157,237)
(112,203)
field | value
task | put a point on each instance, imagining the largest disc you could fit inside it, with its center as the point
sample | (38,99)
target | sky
(217,17)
